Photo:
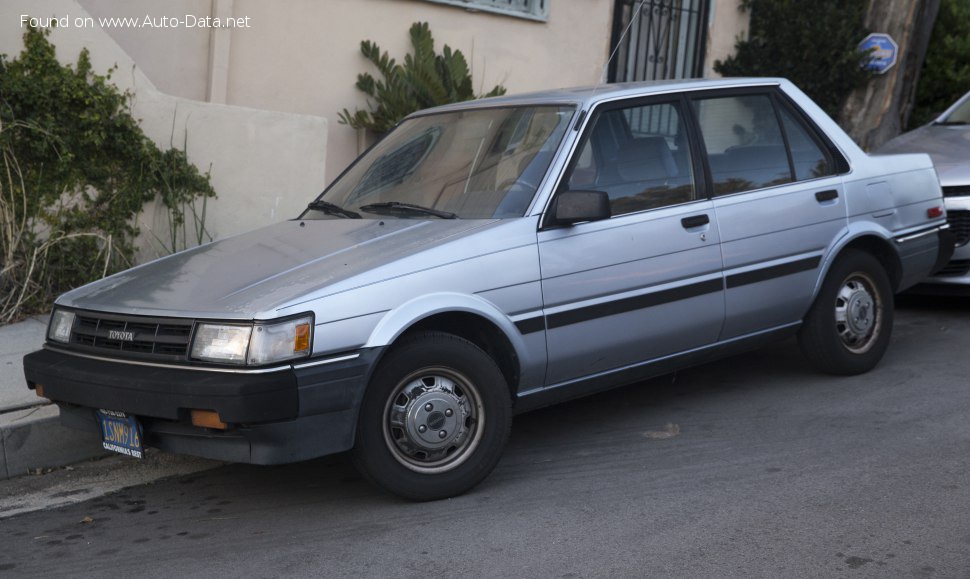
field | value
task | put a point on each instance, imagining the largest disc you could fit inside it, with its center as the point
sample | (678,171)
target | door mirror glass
(577,206)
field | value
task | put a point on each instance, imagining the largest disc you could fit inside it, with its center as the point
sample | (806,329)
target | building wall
(727,23)
(175,59)
(303,56)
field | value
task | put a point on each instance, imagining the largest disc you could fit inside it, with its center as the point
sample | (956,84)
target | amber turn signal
(208,419)
(302,341)
(39,390)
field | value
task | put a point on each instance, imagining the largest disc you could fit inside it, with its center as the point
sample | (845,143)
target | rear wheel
(849,326)
(435,418)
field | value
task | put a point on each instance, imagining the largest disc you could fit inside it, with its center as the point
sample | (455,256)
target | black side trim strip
(556,393)
(634,303)
(531,325)
(764,274)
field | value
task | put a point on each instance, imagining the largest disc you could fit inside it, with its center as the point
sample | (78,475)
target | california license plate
(120,433)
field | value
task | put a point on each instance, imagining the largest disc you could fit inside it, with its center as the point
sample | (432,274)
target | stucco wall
(303,56)
(264,165)
(726,24)
(184,70)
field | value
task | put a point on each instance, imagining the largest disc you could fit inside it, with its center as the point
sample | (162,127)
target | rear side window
(638,155)
(752,143)
(807,157)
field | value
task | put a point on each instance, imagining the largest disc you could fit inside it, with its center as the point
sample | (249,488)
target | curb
(34,438)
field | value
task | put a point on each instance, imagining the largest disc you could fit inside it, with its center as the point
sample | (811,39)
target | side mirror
(576,206)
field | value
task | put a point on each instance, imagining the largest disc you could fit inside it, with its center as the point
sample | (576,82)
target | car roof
(587,96)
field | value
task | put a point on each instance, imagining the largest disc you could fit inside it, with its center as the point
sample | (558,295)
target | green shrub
(945,76)
(426,79)
(813,44)
(76,170)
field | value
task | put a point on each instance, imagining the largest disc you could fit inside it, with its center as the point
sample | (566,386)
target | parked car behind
(947,141)
(497,256)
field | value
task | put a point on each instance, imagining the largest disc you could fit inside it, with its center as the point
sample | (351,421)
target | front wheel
(435,418)
(849,326)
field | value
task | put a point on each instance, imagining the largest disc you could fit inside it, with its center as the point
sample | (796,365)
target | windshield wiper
(391,207)
(332,209)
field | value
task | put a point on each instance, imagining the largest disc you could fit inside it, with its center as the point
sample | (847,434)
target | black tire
(435,418)
(848,328)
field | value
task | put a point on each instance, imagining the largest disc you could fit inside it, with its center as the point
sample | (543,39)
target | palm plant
(424,80)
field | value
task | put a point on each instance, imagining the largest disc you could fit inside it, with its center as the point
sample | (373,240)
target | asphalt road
(753,466)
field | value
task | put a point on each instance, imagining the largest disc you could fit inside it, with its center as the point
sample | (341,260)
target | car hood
(948,146)
(250,275)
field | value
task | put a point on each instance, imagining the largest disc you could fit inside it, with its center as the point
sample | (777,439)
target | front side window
(472,164)
(638,155)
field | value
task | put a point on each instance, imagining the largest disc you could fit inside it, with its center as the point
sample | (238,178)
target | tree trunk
(877,112)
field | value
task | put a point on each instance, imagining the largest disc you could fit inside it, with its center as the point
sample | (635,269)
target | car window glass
(960,115)
(477,164)
(809,160)
(639,156)
(745,147)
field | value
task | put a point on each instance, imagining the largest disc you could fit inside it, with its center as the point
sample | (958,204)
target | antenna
(606,68)
(638,10)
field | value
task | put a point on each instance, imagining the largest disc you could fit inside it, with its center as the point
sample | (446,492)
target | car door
(779,203)
(646,282)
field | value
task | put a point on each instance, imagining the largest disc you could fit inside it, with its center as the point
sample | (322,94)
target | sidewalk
(31,435)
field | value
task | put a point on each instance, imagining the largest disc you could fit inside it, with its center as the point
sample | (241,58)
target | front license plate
(120,433)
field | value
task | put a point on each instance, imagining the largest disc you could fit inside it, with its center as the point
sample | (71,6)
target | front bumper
(294,413)
(953,276)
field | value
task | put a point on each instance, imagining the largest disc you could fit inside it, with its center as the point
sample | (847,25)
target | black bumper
(287,415)
(945,253)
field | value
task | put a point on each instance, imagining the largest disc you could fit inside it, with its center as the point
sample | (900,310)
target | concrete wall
(264,165)
(303,56)
(184,70)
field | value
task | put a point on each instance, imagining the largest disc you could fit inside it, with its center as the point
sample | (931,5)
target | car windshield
(959,115)
(471,164)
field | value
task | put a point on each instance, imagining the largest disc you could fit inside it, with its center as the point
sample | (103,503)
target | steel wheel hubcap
(433,420)
(858,313)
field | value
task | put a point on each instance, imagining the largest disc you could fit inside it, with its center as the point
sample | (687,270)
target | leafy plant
(426,79)
(77,169)
(945,76)
(815,45)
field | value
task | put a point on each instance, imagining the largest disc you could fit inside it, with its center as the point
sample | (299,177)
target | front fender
(396,321)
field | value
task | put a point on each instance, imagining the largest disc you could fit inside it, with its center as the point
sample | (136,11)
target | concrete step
(33,438)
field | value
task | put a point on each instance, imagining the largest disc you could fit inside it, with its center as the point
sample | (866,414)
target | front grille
(959,220)
(165,339)
(956,191)
(956,267)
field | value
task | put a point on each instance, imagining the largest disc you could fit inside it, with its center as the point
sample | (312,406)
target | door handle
(827,195)
(695,221)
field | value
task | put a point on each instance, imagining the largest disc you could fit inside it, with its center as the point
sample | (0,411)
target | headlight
(254,344)
(59,329)
(282,341)
(221,343)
